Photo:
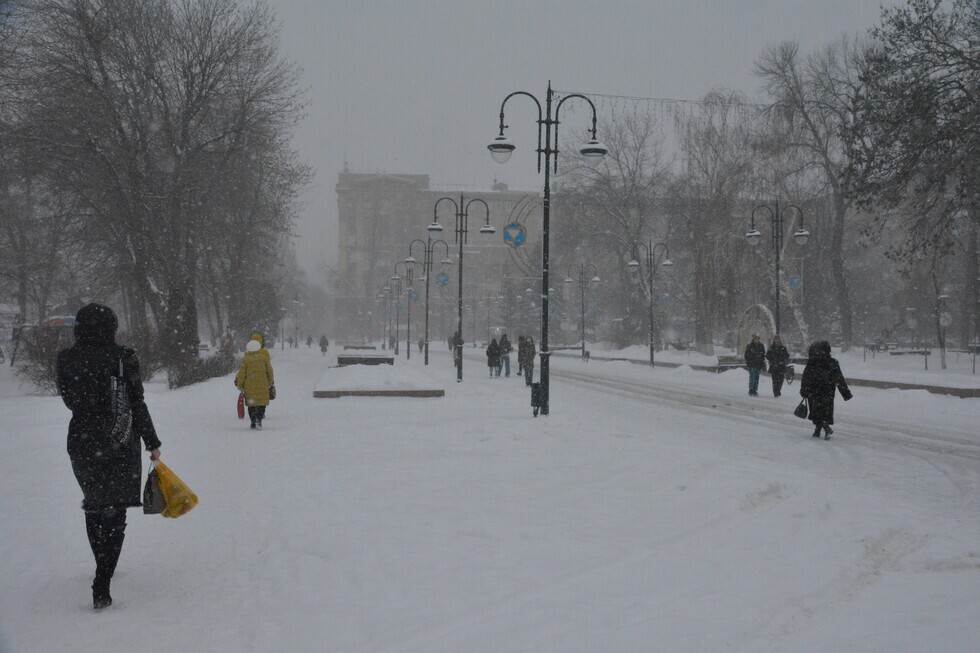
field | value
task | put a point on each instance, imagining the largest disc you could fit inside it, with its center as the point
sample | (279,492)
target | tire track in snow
(864,431)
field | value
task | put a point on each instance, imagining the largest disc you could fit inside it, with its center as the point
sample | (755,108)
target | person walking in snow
(309,341)
(493,357)
(505,349)
(528,363)
(421,344)
(520,355)
(822,378)
(108,470)
(778,357)
(255,378)
(324,344)
(755,361)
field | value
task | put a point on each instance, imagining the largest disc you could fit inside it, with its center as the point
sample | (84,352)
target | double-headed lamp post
(396,289)
(427,247)
(650,250)
(593,151)
(409,272)
(462,223)
(776,216)
(583,279)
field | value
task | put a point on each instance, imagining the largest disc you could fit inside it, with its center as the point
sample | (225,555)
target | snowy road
(651,511)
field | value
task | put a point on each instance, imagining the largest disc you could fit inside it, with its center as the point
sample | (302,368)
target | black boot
(106,530)
(816,431)
(827,431)
(100,593)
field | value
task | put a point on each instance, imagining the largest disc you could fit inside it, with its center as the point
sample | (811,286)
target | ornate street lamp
(427,247)
(776,216)
(462,224)
(582,281)
(409,278)
(593,151)
(650,250)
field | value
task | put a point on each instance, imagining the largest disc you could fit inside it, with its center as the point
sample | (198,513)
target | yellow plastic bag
(179,498)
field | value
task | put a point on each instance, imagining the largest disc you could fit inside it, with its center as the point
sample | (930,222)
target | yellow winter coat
(255,376)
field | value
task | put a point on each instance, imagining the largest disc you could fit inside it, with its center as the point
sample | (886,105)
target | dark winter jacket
(777,356)
(822,377)
(493,354)
(755,355)
(527,355)
(505,346)
(108,473)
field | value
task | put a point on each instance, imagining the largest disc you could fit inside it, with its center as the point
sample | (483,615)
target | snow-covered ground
(653,510)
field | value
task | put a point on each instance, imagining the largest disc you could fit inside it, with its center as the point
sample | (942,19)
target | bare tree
(715,142)
(145,111)
(812,105)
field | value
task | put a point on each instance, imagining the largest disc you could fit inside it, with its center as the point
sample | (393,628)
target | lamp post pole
(409,282)
(501,149)
(462,223)
(650,250)
(427,246)
(776,223)
(582,281)
(387,332)
(396,289)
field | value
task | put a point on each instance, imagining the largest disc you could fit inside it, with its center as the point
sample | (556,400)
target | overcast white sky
(415,87)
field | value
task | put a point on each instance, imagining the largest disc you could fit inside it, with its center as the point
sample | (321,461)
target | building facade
(381,214)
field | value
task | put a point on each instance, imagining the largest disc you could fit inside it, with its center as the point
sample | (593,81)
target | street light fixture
(776,216)
(582,280)
(650,250)
(427,247)
(462,213)
(593,151)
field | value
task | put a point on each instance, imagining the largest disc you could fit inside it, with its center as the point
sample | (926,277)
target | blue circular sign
(413,295)
(442,279)
(795,282)
(514,234)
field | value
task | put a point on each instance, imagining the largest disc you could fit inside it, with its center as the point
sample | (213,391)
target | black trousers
(256,412)
(777,383)
(106,528)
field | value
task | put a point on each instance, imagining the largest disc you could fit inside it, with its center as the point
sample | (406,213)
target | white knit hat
(253,346)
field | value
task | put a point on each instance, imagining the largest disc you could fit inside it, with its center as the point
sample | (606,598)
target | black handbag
(272,392)
(121,411)
(153,502)
(802,410)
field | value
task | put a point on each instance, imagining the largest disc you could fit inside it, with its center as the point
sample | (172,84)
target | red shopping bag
(241,405)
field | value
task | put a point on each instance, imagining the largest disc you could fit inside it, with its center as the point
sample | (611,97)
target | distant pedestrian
(324,344)
(309,341)
(505,349)
(822,377)
(108,469)
(778,357)
(421,344)
(493,357)
(755,361)
(255,378)
(456,346)
(528,363)
(520,355)
(227,343)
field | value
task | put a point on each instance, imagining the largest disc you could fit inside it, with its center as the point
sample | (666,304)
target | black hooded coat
(108,473)
(822,377)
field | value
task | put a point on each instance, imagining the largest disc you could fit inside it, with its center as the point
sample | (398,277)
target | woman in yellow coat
(255,379)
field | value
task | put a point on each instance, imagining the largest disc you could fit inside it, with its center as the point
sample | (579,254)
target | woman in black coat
(493,357)
(822,378)
(778,357)
(108,471)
